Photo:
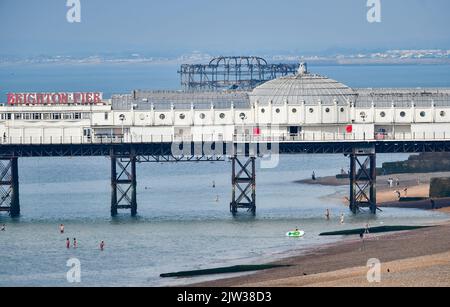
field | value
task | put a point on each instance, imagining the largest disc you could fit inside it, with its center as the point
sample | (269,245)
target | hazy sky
(169,27)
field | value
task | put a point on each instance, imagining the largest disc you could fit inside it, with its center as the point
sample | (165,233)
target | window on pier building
(46,116)
(56,116)
(5,116)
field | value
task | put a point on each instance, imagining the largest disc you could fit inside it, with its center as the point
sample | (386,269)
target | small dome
(310,88)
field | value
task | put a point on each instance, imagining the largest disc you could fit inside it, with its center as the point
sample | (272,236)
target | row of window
(242,115)
(311,110)
(403,114)
(45,116)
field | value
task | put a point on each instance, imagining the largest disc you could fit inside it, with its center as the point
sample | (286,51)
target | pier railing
(309,137)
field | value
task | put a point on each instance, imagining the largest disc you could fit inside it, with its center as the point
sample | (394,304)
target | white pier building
(304,107)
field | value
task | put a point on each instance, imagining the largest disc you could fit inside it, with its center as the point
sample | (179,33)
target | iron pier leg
(113,186)
(9,178)
(123,184)
(353,206)
(133,187)
(363,179)
(243,182)
(373,185)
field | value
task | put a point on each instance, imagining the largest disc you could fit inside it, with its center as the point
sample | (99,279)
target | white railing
(274,138)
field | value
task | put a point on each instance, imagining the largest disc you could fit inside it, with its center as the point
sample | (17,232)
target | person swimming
(61,228)
(327,214)
(102,245)
(75,243)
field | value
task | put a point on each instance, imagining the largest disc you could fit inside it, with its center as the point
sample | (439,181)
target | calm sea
(183,222)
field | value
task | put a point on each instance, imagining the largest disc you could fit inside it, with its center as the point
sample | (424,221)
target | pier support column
(123,184)
(243,182)
(9,186)
(363,178)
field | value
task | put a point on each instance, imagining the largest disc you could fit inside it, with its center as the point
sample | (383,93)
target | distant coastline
(388,57)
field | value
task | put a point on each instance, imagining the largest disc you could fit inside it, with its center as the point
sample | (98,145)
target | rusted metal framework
(236,72)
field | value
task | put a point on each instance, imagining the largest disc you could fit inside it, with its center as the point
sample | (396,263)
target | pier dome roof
(303,86)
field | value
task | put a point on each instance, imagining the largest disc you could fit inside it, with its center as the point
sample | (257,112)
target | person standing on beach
(433,204)
(61,228)
(342,218)
(313,176)
(367,229)
(397,182)
(67,243)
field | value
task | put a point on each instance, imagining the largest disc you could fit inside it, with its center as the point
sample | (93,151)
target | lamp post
(363,116)
(243,117)
(122,118)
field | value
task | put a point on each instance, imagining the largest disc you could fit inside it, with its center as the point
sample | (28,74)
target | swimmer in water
(75,243)
(61,228)
(102,245)
(327,214)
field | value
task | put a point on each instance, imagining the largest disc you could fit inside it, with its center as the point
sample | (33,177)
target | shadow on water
(125,218)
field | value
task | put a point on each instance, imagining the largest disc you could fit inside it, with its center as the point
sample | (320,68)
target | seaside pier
(303,113)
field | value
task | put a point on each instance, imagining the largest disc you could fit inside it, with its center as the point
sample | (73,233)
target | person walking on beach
(397,182)
(61,228)
(391,183)
(313,176)
(102,245)
(75,243)
(363,244)
(67,243)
